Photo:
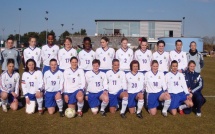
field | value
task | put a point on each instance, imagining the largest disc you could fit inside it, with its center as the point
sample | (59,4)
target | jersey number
(53,83)
(87,61)
(134,85)
(114,82)
(31,84)
(97,84)
(67,60)
(144,61)
(155,84)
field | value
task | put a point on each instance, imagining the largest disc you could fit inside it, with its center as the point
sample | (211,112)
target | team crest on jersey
(118,76)
(129,55)
(15,80)
(27,77)
(164,57)
(92,56)
(58,77)
(5,55)
(182,56)
(101,77)
(108,54)
(53,51)
(179,78)
(71,54)
(36,53)
(195,81)
(138,79)
(35,77)
(6,79)
(147,55)
(159,77)
(78,75)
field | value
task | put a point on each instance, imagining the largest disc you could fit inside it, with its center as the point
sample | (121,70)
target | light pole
(183,25)
(72,28)
(3,33)
(62,33)
(20,9)
(15,34)
(46,18)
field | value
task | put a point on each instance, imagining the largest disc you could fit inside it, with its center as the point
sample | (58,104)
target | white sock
(183,107)
(124,105)
(103,106)
(4,102)
(60,104)
(80,106)
(40,103)
(139,106)
(166,105)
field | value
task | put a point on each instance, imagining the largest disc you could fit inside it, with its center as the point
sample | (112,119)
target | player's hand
(27,100)
(14,94)
(189,90)
(15,100)
(86,98)
(105,92)
(66,98)
(191,95)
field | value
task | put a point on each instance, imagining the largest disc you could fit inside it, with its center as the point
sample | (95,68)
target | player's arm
(116,55)
(201,61)
(163,82)
(61,83)
(24,55)
(18,58)
(105,83)
(83,81)
(200,85)
(124,83)
(2,84)
(185,62)
(24,85)
(40,82)
(184,85)
(17,85)
(39,57)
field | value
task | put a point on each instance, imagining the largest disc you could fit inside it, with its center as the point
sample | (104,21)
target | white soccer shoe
(0,103)
(4,108)
(164,114)
(198,114)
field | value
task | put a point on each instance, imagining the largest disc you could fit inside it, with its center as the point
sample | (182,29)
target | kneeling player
(53,81)
(117,88)
(9,87)
(97,88)
(135,82)
(177,88)
(74,83)
(156,89)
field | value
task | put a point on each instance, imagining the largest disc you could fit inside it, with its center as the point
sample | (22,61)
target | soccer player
(33,52)
(179,56)
(49,51)
(135,86)
(65,54)
(32,87)
(10,52)
(117,88)
(9,85)
(125,55)
(74,83)
(105,55)
(97,88)
(195,86)
(87,55)
(177,88)
(143,56)
(53,82)
(162,57)
(156,89)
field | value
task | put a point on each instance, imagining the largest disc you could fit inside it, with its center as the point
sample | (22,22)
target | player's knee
(14,107)
(58,97)
(173,113)
(112,110)
(38,95)
(94,110)
(4,95)
(125,94)
(51,112)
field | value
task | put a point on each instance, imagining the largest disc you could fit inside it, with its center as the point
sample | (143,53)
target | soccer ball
(70,113)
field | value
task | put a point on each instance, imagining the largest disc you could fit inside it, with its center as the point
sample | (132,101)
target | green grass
(19,122)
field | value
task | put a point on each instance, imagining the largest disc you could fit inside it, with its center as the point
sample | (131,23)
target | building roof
(142,20)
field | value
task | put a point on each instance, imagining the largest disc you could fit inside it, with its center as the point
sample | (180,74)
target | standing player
(125,55)
(162,57)
(117,88)
(49,52)
(156,89)
(87,55)
(74,83)
(97,88)
(105,55)
(32,86)
(143,56)
(177,88)
(65,54)
(179,56)
(53,81)
(9,85)
(33,52)
(135,83)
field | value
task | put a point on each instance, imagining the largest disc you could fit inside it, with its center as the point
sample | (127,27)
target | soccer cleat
(140,116)
(181,112)
(164,114)
(40,112)
(4,108)
(103,113)
(80,114)
(123,116)
(61,114)
(198,114)
(0,103)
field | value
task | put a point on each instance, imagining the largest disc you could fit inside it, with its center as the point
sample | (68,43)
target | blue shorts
(10,97)
(72,96)
(104,70)
(153,99)
(93,99)
(50,99)
(165,72)
(46,68)
(177,100)
(132,102)
(143,72)
(32,97)
(114,99)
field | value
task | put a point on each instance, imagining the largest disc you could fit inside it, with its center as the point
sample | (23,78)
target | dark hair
(153,62)
(51,34)
(115,60)
(144,39)
(10,38)
(87,39)
(173,62)
(74,58)
(177,41)
(68,38)
(192,42)
(160,41)
(10,61)
(124,38)
(134,62)
(105,38)
(32,37)
(26,65)
(96,61)
(191,62)
(53,60)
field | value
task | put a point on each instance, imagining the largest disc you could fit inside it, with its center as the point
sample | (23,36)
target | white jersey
(176,83)
(105,57)
(73,80)
(10,83)
(86,59)
(53,81)
(49,53)
(155,82)
(116,81)
(163,60)
(180,57)
(135,82)
(64,57)
(32,82)
(125,58)
(144,59)
(96,82)
(33,53)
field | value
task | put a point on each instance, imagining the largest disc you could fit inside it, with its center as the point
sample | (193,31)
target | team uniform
(64,57)
(125,58)
(135,85)
(53,82)
(180,57)
(105,58)
(85,59)
(49,53)
(163,61)
(33,53)
(116,85)
(144,59)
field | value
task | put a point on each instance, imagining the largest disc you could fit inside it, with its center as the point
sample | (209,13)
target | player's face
(32,42)
(124,44)
(10,67)
(31,66)
(192,67)
(103,43)
(68,44)
(87,45)
(154,67)
(135,68)
(9,43)
(160,47)
(115,66)
(74,64)
(50,39)
(193,46)
(96,67)
(174,67)
(53,66)
(144,46)
(178,46)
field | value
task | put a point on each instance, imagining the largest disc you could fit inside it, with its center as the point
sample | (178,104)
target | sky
(199,14)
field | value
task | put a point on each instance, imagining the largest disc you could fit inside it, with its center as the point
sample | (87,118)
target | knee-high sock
(166,105)
(40,103)
(80,106)
(4,102)
(124,105)
(183,107)
(103,106)
(139,106)
(60,104)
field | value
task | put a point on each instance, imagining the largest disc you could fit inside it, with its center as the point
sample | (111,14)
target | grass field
(19,122)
